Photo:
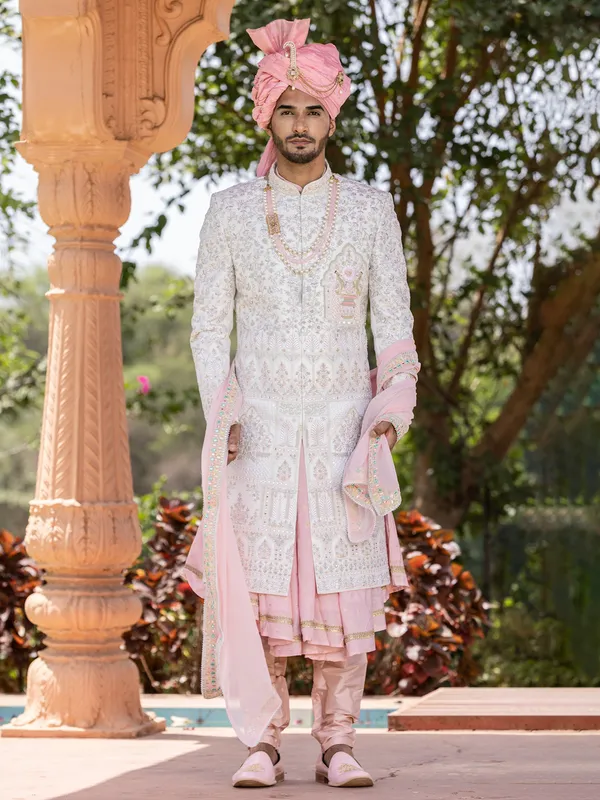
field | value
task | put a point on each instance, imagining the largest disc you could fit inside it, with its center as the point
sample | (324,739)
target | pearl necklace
(297,262)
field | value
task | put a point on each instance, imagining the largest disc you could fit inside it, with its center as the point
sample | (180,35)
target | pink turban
(314,68)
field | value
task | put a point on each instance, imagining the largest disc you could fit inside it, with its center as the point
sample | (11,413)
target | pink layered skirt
(324,626)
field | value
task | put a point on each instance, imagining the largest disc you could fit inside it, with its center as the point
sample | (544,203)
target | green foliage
(22,369)
(543,633)
(523,649)
(546,564)
(13,208)
(155,321)
(165,425)
(480,118)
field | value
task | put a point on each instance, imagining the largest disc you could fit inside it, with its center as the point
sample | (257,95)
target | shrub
(433,624)
(20,640)
(166,641)
(524,649)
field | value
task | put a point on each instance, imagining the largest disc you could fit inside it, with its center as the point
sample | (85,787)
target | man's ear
(332,127)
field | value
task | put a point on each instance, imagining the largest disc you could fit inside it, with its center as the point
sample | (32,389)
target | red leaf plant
(20,640)
(432,625)
(166,640)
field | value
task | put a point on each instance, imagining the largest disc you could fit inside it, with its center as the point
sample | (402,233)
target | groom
(305,486)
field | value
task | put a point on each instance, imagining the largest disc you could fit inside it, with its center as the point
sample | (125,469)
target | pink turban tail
(319,74)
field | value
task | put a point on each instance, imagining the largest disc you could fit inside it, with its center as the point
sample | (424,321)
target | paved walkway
(186,765)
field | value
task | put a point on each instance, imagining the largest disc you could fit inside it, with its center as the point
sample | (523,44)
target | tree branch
(423,281)
(521,201)
(399,59)
(577,298)
(447,121)
(451,243)
(451,51)
(463,355)
(378,91)
(421,11)
(583,344)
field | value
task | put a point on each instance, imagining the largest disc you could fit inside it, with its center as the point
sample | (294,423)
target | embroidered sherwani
(301,364)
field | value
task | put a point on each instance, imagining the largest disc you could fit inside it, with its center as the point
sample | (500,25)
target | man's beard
(299,156)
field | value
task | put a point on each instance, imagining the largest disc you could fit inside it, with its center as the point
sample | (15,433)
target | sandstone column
(106,84)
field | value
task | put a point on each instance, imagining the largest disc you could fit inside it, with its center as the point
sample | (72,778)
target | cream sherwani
(301,364)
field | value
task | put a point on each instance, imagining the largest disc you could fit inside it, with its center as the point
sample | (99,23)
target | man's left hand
(389,430)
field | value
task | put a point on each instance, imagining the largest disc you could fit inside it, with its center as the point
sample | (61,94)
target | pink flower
(144,384)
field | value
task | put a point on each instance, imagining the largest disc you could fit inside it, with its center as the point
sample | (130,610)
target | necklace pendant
(273,224)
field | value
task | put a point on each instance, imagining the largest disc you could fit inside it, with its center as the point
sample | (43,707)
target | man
(298,541)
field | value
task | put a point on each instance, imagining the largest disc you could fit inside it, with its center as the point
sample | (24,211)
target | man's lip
(300,141)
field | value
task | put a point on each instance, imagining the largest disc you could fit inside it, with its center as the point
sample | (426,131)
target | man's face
(300,126)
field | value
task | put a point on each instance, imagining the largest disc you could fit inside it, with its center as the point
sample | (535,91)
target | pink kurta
(323,626)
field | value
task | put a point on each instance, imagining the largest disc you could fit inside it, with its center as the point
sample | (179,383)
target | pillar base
(37,730)
(82,696)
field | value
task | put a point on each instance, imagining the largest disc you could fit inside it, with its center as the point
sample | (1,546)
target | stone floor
(177,765)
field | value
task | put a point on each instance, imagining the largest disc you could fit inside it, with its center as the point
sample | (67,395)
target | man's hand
(389,430)
(234,442)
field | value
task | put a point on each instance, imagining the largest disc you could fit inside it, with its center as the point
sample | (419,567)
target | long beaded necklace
(297,262)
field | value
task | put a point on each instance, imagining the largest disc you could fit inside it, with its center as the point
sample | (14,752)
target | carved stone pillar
(106,84)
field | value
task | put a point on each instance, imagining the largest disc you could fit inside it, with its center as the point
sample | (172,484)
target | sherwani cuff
(399,376)
(400,423)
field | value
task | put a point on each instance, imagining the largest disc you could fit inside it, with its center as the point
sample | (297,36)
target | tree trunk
(444,510)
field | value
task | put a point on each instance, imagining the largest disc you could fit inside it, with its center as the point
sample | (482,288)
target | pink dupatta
(233,660)
(370,482)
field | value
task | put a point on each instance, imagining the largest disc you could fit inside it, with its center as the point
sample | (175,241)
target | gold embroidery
(348,768)
(254,768)
(273,224)
(270,618)
(353,636)
(195,571)
(407,362)
(320,626)
(217,461)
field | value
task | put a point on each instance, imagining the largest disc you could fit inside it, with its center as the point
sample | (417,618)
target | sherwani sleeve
(389,295)
(212,317)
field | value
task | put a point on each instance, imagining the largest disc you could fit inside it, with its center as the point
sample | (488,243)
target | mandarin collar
(287,187)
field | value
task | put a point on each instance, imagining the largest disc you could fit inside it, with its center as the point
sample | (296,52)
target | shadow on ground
(182,766)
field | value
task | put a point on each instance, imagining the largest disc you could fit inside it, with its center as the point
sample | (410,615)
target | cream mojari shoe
(258,770)
(343,771)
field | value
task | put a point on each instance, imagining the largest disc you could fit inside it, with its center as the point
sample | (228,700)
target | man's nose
(300,125)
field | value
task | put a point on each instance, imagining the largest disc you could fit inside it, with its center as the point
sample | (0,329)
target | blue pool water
(217,718)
